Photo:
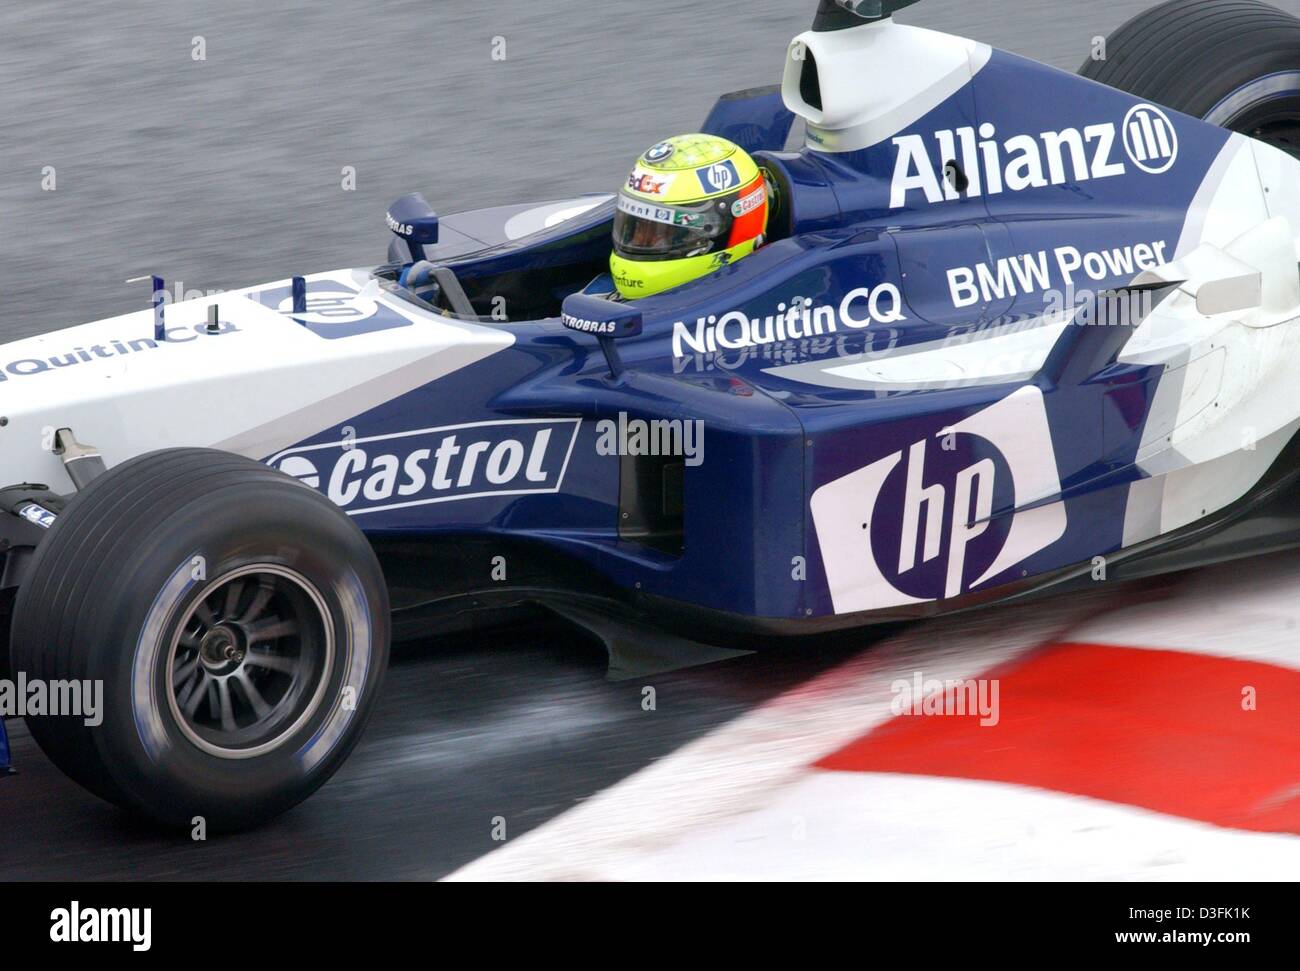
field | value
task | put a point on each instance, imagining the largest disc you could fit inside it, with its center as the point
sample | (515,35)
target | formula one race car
(1010,329)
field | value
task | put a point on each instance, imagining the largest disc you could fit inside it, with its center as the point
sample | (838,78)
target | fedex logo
(945,514)
(649,183)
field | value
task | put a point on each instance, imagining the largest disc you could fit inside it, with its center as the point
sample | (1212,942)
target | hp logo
(332,307)
(1150,139)
(720,176)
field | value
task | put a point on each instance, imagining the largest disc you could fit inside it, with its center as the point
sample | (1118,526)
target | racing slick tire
(237,620)
(1235,63)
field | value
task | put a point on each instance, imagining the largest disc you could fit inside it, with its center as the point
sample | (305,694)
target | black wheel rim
(250,662)
(1267,108)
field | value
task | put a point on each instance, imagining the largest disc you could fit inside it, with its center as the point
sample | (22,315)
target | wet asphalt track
(227,172)
(515,727)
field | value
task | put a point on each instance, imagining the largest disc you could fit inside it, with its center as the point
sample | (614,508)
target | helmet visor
(648,231)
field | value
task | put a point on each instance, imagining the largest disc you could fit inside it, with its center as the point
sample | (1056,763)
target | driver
(692,204)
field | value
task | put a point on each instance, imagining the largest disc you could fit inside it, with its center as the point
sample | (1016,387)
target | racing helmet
(692,204)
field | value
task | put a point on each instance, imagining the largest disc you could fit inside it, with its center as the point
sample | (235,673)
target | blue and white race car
(1010,329)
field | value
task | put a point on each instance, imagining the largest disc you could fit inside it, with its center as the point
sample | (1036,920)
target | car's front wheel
(235,621)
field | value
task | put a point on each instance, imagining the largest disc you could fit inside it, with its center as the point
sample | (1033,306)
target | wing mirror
(413,219)
(605,320)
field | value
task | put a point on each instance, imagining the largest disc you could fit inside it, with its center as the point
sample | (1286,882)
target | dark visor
(648,231)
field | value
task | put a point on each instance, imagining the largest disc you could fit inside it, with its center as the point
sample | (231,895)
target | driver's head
(692,204)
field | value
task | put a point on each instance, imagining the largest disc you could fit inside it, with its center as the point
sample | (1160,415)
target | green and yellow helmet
(692,204)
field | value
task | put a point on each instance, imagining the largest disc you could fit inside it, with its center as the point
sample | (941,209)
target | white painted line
(881,826)
(751,762)
(1249,610)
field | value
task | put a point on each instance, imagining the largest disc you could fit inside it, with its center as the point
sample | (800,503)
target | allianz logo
(429,465)
(992,166)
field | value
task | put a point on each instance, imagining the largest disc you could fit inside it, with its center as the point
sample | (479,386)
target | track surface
(521,729)
(226,172)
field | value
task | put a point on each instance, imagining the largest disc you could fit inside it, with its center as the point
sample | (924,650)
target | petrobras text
(994,166)
(800,319)
(490,458)
(582,325)
(402,229)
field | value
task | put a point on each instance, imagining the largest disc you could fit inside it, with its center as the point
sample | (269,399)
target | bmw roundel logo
(659,153)
(1150,139)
